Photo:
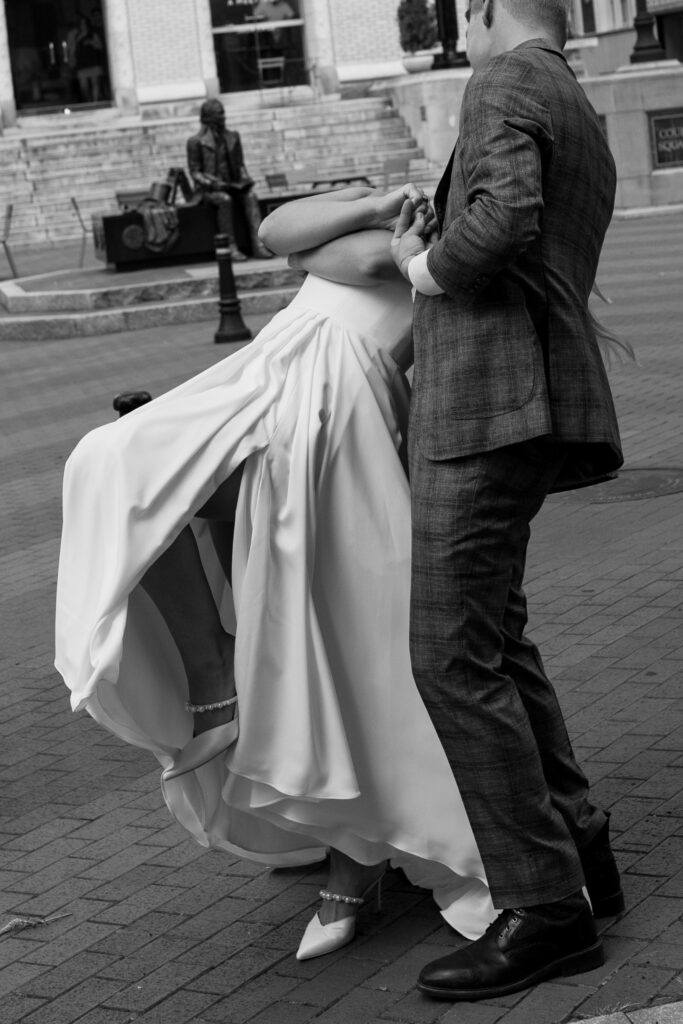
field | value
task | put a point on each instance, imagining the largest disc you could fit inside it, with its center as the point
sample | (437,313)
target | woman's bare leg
(177,584)
(346,878)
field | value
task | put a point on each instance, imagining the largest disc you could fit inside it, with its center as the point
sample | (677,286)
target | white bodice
(381,314)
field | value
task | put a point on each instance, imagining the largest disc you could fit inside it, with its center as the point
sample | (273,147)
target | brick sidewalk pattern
(143,924)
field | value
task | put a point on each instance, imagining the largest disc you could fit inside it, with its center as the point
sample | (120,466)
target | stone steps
(37,308)
(92,160)
(44,294)
(298,152)
(135,317)
(131,142)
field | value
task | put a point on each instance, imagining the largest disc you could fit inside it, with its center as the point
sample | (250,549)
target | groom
(510,401)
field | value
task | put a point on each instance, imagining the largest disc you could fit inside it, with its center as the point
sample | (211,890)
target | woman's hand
(307,223)
(388,206)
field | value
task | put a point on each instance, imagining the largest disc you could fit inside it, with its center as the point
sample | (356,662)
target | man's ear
(487,13)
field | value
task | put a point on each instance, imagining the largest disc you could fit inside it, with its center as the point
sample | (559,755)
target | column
(207,52)
(120,53)
(320,45)
(8,109)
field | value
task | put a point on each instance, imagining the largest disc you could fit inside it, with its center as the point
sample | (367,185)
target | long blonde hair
(612,349)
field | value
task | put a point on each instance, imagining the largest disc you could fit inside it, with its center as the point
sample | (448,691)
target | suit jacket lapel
(442,189)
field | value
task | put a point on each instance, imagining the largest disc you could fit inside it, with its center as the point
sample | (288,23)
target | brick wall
(365,31)
(166,46)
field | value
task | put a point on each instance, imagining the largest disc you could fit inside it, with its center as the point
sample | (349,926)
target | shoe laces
(506,919)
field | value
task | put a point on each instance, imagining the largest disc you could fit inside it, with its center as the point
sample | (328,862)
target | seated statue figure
(216,165)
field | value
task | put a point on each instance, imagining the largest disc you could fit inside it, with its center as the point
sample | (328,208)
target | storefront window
(259,44)
(587,16)
(58,54)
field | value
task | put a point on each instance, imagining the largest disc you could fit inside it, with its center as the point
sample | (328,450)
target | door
(58,54)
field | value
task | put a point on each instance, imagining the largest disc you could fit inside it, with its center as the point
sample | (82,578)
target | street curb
(629,213)
(665,1013)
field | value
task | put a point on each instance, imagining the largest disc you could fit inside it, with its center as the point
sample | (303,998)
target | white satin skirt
(335,746)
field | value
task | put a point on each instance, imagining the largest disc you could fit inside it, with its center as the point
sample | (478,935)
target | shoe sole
(577,963)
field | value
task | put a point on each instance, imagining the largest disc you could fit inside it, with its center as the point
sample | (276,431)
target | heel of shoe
(378,894)
(609,906)
(586,960)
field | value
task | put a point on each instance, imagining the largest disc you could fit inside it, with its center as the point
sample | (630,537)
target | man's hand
(388,207)
(412,229)
(208,181)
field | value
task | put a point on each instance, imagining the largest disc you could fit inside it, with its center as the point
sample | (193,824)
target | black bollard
(129,400)
(231,327)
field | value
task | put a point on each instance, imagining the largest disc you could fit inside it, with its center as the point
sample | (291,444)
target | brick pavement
(147,926)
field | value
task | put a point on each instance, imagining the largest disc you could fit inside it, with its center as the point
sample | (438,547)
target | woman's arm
(363,258)
(308,223)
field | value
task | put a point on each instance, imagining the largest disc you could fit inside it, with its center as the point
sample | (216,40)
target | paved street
(144,925)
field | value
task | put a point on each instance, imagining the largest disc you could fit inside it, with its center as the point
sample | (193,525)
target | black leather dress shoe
(602,875)
(520,948)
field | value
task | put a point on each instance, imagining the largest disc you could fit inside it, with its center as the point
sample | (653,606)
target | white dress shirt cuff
(420,277)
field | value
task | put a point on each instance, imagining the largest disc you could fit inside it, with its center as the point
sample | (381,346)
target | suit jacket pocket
(473,363)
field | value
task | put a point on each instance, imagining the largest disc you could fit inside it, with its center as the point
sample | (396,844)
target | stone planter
(414,62)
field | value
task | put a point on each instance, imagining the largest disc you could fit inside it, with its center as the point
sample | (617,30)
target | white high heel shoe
(319,938)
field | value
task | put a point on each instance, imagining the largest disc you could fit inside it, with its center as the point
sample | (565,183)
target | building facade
(70,55)
(610,24)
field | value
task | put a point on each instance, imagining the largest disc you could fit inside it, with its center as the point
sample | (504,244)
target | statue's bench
(121,238)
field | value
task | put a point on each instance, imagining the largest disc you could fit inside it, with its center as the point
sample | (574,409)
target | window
(58,54)
(259,43)
(587,17)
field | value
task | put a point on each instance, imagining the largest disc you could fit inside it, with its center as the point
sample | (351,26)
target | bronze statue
(216,165)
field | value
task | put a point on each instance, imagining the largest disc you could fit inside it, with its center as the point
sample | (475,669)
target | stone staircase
(46,164)
(90,302)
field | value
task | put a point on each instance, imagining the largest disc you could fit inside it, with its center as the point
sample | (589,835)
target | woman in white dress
(247,535)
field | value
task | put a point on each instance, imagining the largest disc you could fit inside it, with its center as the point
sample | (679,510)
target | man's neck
(512,35)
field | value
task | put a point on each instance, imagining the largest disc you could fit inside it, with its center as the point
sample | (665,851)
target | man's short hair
(551,13)
(210,110)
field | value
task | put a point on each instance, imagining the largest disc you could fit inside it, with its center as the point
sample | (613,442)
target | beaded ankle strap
(325,895)
(196,708)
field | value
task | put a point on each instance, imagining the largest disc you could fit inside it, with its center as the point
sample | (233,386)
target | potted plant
(417,33)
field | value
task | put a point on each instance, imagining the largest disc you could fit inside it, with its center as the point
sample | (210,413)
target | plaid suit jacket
(507,352)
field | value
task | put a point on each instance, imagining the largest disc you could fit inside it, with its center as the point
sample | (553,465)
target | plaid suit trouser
(482,680)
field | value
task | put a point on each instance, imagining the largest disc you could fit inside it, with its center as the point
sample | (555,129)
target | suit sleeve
(194,164)
(239,159)
(505,132)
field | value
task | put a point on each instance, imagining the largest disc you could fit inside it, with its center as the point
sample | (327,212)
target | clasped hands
(408,213)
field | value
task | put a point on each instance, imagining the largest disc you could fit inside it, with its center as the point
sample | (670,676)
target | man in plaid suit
(510,401)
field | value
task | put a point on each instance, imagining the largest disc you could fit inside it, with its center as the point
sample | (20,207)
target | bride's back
(381,314)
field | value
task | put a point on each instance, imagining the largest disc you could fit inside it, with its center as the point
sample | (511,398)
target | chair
(178,179)
(395,165)
(305,175)
(5,239)
(84,229)
(130,199)
(278,179)
(271,70)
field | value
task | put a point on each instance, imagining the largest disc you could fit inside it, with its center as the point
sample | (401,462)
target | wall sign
(666,136)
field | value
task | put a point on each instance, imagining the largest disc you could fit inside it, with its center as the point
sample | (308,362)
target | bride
(234,582)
